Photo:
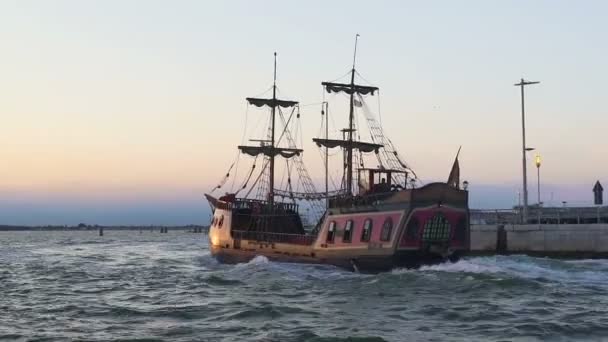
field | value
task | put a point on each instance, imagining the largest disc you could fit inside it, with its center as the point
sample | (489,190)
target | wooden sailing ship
(376,220)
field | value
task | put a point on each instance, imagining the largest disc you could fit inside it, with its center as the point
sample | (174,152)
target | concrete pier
(552,240)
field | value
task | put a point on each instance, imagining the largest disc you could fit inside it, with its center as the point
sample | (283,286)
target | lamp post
(522,84)
(537,162)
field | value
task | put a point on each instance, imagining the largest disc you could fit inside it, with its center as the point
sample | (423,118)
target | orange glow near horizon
(154,105)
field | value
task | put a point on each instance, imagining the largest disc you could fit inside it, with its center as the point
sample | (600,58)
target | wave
(295,271)
(258,260)
(464,266)
(582,272)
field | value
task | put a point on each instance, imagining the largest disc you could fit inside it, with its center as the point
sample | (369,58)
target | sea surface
(147,286)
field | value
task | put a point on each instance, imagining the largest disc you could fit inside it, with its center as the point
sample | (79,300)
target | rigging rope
(285,123)
(224,179)
(389,155)
(341,77)
(236,171)
(248,177)
(266,162)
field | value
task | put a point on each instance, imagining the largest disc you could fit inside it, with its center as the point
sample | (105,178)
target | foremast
(268,147)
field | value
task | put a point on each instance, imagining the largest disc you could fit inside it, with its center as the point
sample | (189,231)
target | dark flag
(454,177)
(598,193)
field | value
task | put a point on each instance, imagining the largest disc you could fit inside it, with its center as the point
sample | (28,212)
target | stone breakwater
(551,240)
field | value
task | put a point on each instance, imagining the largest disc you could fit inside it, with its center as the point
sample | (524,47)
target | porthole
(331,232)
(348,231)
(366,233)
(387,228)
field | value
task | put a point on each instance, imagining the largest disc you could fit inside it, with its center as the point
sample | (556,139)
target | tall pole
(538,188)
(274,104)
(522,84)
(326,155)
(537,162)
(538,185)
(349,150)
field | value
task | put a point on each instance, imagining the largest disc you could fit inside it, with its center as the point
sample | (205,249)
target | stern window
(331,232)
(367,230)
(221,222)
(348,231)
(437,229)
(387,228)
(411,232)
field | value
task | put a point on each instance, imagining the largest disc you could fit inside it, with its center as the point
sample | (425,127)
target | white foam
(554,271)
(258,260)
(463,266)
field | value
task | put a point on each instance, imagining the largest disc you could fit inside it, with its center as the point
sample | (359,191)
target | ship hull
(363,263)
(403,229)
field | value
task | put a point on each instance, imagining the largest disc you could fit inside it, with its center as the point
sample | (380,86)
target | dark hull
(367,264)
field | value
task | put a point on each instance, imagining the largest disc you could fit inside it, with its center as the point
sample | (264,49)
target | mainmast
(274,99)
(348,143)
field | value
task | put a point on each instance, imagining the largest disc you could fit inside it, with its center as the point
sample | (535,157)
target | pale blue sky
(127,111)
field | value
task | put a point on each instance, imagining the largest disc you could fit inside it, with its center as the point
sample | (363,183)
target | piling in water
(501,240)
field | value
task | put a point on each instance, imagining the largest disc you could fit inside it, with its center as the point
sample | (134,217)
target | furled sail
(360,145)
(349,89)
(270,151)
(271,102)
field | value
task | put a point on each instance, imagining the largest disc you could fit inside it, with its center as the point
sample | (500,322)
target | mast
(268,147)
(349,151)
(273,109)
(348,142)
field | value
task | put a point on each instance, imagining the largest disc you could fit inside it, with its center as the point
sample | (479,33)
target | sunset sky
(129,111)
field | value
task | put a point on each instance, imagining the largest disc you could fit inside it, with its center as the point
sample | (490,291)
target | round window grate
(436,229)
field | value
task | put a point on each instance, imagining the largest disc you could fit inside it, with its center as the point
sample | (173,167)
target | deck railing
(258,205)
(544,215)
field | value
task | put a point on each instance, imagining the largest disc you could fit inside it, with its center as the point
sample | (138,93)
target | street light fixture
(522,84)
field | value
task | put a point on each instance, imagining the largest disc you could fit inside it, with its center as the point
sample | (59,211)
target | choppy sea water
(131,286)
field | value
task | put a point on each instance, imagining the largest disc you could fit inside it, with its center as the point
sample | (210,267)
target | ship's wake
(583,272)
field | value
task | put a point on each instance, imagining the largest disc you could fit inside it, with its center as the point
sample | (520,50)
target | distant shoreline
(97,227)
